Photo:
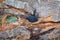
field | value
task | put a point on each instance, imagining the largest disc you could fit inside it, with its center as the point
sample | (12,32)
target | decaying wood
(24,22)
(6,26)
(4,19)
(29,25)
(18,10)
(47,18)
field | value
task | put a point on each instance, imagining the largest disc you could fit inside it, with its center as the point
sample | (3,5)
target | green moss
(11,19)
